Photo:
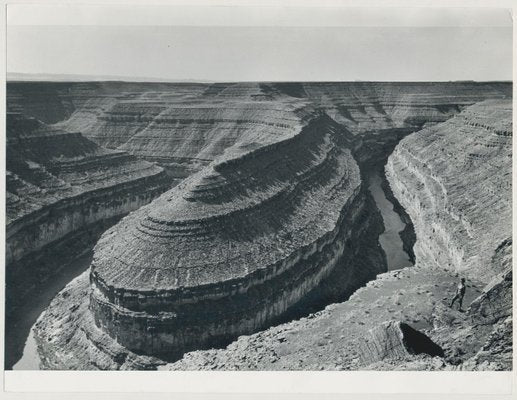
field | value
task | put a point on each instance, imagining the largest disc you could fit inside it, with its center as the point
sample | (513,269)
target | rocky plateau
(252,240)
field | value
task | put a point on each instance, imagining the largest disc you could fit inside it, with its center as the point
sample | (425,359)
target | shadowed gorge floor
(270,206)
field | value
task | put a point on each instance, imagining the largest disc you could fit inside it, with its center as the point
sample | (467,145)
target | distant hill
(29,77)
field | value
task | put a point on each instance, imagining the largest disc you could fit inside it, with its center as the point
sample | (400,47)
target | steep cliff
(454,180)
(249,236)
(60,183)
(460,205)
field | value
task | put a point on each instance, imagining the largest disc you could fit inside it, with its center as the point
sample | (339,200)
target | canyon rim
(262,225)
(257,224)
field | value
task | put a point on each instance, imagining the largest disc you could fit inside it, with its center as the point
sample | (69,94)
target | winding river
(20,348)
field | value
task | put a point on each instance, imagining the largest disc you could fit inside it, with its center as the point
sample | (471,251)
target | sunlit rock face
(231,248)
(454,180)
(59,182)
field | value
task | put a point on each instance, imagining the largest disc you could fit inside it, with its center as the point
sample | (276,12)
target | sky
(227,44)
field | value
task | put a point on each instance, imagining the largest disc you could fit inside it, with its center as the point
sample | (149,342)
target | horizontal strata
(454,180)
(185,126)
(59,183)
(50,170)
(264,227)
(154,129)
(73,341)
(364,108)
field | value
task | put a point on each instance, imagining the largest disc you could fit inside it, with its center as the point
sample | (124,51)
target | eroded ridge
(264,226)
(59,182)
(454,181)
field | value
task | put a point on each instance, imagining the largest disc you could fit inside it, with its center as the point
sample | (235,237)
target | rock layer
(395,339)
(454,180)
(250,236)
(59,183)
(185,126)
(140,294)
(270,223)
(427,183)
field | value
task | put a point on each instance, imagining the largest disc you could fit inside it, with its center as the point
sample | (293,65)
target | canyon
(63,189)
(254,238)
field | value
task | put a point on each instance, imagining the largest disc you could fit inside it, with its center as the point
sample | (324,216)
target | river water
(20,346)
(390,239)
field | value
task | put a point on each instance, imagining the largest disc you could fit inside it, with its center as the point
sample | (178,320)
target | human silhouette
(460,292)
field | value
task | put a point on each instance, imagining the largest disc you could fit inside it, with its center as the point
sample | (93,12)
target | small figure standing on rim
(460,292)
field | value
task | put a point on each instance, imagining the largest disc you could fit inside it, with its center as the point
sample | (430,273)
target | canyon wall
(232,249)
(263,159)
(184,126)
(237,245)
(58,184)
(454,180)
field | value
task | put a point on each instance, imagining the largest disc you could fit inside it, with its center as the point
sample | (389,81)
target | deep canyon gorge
(259,226)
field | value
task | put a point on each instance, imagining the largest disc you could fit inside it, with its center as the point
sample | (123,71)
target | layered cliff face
(51,102)
(185,126)
(185,136)
(235,246)
(276,210)
(367,106)
(460,204)
(57,184)
(454,180)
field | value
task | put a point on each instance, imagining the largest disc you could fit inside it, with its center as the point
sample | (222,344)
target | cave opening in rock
(418,343)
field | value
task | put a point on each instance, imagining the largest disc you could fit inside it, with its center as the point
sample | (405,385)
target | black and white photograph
(258,189)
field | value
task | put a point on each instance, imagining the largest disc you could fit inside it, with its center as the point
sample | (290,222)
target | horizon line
(200,81)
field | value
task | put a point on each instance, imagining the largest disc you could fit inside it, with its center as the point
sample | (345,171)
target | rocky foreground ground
(362,333)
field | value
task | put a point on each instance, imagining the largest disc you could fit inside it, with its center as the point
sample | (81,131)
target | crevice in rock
(417,343)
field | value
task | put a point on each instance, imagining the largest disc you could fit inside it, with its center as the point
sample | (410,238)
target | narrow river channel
(390,239)
(20,347)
